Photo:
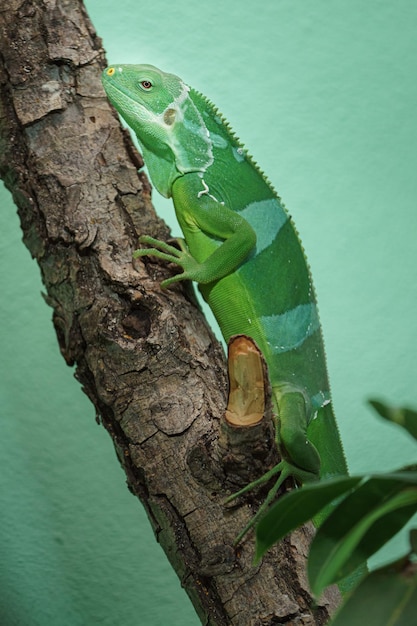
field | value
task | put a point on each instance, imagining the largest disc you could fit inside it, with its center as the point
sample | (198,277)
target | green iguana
(240,245)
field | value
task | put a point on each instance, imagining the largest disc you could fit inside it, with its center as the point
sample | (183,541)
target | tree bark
(145,357)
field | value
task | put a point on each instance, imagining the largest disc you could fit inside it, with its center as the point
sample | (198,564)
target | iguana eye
(146,84)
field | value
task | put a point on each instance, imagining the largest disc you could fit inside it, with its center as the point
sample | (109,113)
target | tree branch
(145,357)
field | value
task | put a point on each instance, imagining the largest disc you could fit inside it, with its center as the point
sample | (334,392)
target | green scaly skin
(240,245)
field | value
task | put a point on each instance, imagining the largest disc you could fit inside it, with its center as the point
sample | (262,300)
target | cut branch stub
(246,444)
(248,382)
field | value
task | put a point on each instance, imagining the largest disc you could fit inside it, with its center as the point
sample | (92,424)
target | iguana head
(167,123)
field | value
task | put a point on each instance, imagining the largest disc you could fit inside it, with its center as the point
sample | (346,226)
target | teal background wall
(324,95)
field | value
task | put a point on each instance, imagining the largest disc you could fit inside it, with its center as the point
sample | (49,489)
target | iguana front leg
(225,240)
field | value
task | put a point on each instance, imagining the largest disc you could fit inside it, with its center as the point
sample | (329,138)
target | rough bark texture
(145,358)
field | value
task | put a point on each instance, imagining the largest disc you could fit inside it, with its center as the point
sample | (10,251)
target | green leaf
(407,418)
(363,522)
(296,508)
(387,597)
